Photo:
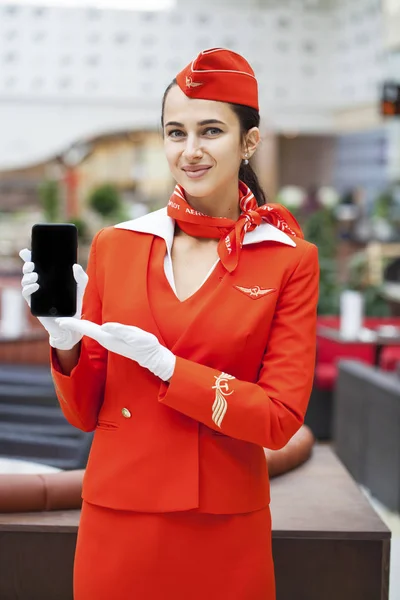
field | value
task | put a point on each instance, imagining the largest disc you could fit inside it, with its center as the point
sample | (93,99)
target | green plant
(375,304)
(105,200)
(383,205)
(49,195)
(358,272)
(329,288)
(320,229)
(120,215)
(81,225)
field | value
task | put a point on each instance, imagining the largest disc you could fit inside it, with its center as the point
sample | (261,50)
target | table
(13,465)
(328,542)
(367,336)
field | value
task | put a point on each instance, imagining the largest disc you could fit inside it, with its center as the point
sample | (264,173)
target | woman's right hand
(62,339)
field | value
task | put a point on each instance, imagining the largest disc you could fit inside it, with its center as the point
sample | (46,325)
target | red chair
(329,352)
(390,358)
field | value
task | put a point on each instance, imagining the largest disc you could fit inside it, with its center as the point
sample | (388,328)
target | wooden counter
(329,544)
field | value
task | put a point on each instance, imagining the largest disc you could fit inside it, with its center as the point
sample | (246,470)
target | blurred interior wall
(391,15)
(306,161)
(72,73)
(265,163)
(361,161)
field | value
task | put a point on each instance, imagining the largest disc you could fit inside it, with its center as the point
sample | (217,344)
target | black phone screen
(54,251)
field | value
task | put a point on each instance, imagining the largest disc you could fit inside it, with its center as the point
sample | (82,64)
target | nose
(192,148)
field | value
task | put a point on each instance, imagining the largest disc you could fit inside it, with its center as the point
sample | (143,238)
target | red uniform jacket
(242,380)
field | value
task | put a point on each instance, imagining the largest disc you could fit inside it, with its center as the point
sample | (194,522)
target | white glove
(126,340)
(62,339)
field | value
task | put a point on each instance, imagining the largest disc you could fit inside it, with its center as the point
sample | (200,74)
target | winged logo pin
(191,84)
(255,292)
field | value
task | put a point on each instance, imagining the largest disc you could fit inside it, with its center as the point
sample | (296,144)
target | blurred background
(80,141)
(80,93)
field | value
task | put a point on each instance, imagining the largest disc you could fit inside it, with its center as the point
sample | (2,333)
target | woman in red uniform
(194,350)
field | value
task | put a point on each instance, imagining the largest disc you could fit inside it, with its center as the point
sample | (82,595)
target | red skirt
(124,555)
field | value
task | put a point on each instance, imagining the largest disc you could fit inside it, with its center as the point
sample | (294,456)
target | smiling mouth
(196,173)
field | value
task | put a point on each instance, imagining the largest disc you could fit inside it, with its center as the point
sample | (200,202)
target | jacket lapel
(160,224)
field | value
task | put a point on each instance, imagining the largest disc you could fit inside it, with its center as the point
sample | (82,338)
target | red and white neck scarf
(230,232)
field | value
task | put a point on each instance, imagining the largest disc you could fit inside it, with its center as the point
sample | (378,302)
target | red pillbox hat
(222,75)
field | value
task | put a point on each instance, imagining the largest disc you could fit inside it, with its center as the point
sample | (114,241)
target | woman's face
(202,142)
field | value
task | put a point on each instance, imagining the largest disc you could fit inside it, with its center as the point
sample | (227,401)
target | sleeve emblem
(220,405)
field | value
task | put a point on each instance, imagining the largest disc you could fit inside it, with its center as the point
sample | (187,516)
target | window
(149,40)
(91,85)
(37,83)
(121,38)
(93,60)
(309,46)
(202,18)
(147,62)
(65,83)
(148,17)
(203,43)
(10,82)
(147,88)
(229,43)
(282,46)
(39,11)
(39,36)
(362,38)
(284,22)
(10,10)
(308,70)
(11,34)
(280,92)
(175,18)
(10,57)
(174,64)
(93,37)
(65,60)
(93,14)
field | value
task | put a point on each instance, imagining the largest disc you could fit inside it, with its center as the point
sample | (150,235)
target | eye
(213,131)
(175,133)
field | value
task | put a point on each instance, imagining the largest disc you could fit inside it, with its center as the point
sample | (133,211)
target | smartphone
(54,250)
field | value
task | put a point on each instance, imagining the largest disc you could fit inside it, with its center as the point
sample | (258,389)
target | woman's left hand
(126,340)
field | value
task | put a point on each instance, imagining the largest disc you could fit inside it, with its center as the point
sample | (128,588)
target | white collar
(160,224)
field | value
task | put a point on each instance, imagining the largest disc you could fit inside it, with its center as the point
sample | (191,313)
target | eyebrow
(201,123)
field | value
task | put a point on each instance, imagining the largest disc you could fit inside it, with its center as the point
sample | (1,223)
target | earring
(246,160)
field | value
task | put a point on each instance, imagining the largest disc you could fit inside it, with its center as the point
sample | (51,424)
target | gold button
(126,413)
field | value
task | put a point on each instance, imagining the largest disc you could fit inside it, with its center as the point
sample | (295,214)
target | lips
(195,168)
(195,172)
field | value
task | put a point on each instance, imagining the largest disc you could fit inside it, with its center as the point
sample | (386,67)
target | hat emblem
(191,84)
